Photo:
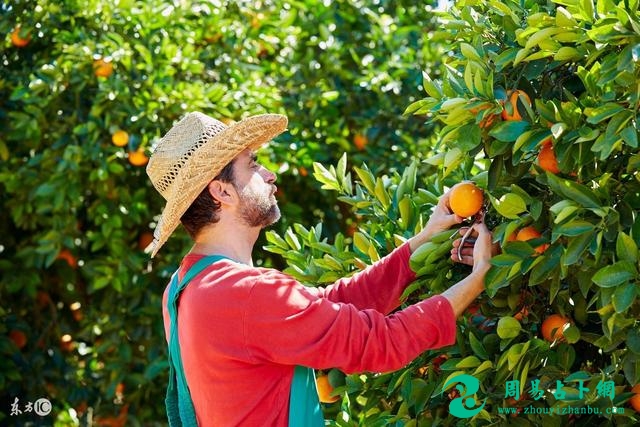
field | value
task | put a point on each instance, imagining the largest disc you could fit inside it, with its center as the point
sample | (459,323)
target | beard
(258,209)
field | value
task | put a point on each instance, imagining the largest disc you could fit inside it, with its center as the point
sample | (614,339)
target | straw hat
(192,153)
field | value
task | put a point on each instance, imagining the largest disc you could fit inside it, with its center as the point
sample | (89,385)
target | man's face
(255,185)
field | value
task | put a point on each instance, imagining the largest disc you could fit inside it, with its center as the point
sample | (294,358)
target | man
(247,338)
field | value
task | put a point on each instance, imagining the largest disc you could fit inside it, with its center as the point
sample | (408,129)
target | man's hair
(205,209)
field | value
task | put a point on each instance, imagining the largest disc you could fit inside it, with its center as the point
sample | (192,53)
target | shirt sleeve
(377,287)
(284,322)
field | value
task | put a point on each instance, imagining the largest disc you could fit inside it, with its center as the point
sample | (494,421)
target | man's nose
(268,176)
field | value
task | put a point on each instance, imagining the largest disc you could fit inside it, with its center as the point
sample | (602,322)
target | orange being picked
(515,108)
(635,400)
(465,199)
(120,138)
(529,233)
(553,327)
(325,389)
(547,159)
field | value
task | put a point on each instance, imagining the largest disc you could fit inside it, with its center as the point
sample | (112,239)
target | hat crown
(178,146)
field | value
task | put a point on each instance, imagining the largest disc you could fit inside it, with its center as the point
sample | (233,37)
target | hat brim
(207,162)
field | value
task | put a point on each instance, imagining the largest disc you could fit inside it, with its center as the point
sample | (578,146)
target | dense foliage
(537,102)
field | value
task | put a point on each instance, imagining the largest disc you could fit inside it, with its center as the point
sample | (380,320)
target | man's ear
(223,192)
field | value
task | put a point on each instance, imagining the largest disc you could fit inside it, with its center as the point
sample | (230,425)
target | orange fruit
(524,312)
(529,233)
(120,388)
(138,158)
(325,389)
(120,138)
(547,159)
(43,299)
(360,141)
(17,40)
(145,240)
(66,343)
(515,105)
(19,338)
(66,255)
(465,199)
(635,400)
(488,121)
(102,68)
(553,327)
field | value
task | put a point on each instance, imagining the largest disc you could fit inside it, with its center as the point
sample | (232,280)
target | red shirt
(243,329)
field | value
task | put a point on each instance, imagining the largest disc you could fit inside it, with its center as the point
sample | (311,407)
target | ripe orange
(465,199)
(553,327)
(102,68)
(145,240)
(66,343)
(19,338)
(43,299)
(360,141)
(524,312)
(120,138)
(66,255)
(488,121)
(325,389)
(515,105)
(529,233)
(17,40)
(547,159)
(635,400)
(138,158)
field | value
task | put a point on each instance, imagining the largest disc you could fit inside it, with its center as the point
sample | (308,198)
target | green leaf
(469,362)
(596,115)
(614,274)
(633,340)
(624,296)
(509,131)
(469,52)
(630,136)
(508,327)
(576,248)
(366,178)
(572,228)
(574,191)
(626,248)
(509,205)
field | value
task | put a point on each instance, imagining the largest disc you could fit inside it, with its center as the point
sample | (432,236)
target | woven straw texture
(194,152)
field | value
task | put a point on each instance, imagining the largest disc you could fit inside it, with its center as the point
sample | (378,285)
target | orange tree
(85,92)
(521,78)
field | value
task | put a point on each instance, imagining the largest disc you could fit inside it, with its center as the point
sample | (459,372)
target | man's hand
(474,254)
(477,255)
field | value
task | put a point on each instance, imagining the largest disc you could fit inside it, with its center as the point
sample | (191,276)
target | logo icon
(42,407)
(464,406)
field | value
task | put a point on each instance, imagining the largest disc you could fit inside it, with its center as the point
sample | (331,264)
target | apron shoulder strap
(180,410)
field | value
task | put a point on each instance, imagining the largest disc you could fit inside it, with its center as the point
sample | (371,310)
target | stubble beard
(258,209)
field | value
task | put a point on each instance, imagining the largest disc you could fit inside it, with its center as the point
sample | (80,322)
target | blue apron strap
(180,410)
(304,404)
